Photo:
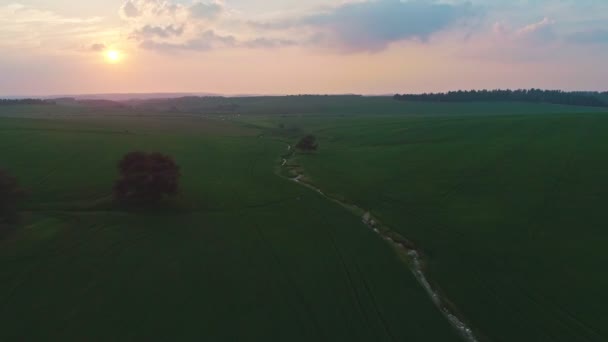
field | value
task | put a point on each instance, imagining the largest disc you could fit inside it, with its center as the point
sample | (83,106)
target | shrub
(308,143)
(146,178)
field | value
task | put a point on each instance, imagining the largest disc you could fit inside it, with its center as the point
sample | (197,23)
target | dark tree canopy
(12,102)
(308,143)
(575,98)
(10,194)
(146,178)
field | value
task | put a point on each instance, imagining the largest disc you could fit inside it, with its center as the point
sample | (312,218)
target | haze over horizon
(291,47)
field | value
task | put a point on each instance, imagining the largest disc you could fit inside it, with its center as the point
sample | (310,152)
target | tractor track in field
(401,245)
(291,283)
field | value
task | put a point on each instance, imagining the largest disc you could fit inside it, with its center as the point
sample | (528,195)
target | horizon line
(84,96)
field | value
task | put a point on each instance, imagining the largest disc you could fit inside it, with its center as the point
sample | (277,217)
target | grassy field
(509,210)
(505,201)
(342,105)
(242,254)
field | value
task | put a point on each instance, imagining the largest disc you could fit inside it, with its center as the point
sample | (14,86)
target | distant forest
(590,99)
(4,102)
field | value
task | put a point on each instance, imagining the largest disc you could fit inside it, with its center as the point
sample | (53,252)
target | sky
(57,47)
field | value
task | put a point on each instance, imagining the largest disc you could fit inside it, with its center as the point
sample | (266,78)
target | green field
(243,255)
(505,200)
(509,210)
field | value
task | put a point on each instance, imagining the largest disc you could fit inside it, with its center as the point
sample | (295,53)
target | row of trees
(11,102)
(592,99)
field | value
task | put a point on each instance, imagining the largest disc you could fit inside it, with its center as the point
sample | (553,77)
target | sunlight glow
(113,56)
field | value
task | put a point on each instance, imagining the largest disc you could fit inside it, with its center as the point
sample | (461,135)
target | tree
(146,178)
(308,143)
(10,194)
(578,98)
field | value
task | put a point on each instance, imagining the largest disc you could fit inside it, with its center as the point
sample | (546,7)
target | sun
(113,56)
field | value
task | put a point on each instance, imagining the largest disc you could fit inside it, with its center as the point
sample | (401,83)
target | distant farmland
(504,200)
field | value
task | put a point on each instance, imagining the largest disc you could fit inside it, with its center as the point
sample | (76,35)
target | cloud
(170,27)
(129,10)
(98,47)
(166,25)
(539,32)
(537,41)
(22,14)
(210,40)
(370,25)
(24,26)
(165,10)
(206,10)
(206,41)
(354,26)
(149,31)
(261,43)
(374,25)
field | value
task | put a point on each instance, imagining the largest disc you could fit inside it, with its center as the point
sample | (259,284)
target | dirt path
(402,246)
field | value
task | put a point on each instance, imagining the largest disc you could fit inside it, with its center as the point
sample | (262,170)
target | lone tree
(10,194)
(308,143)
(146,178)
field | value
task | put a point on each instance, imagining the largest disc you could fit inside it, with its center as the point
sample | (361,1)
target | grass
(509,210)
(243,254)
(505,200)
(348,106)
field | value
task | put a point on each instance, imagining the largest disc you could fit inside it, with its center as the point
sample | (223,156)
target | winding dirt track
(403,246)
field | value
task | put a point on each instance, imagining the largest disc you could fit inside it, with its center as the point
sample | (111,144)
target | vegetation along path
(405,248)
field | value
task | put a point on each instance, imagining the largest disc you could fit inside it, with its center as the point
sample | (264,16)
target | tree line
(12,102)
(574,98)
